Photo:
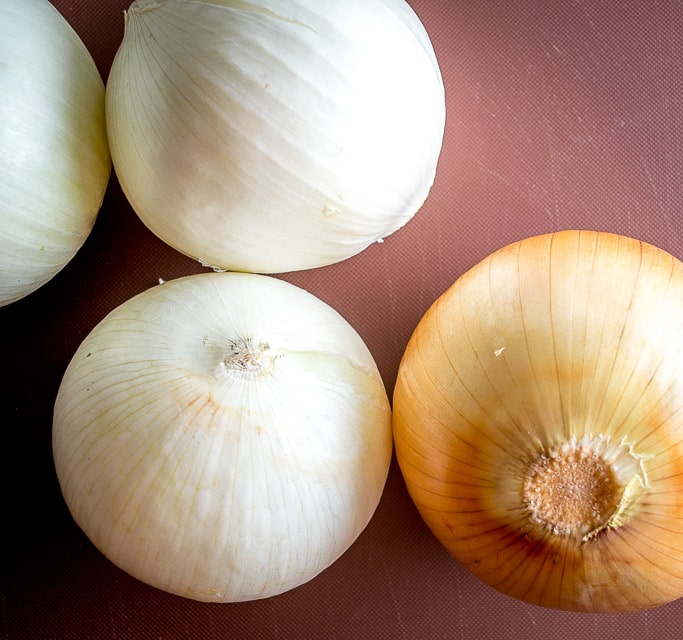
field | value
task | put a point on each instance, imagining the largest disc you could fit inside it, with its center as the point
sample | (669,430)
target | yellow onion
(538,421)
(223,436)
(274,135)
(54,157)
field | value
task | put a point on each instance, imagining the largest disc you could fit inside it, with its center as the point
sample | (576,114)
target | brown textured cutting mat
(561,113)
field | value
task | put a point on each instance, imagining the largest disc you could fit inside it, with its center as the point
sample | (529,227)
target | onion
(538,421)
(54,157)
(274,135)
(222,436)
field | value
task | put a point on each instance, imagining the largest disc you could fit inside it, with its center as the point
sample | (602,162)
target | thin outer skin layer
(300,146)
(54,156)
(563,336)
(222,436)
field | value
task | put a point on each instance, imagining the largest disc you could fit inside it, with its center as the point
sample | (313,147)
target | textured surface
(560,114)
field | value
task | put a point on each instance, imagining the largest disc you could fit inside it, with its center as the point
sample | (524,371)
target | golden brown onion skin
(575,336)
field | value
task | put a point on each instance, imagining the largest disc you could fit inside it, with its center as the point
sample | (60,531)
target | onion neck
(583,487)
(243,357)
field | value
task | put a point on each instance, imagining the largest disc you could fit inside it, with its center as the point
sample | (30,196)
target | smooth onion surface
(274,135)
(538,421)
(54,156)
(222,436)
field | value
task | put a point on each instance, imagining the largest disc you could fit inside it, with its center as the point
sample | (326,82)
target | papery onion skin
(54,156)
(553,341)
(275,136)
(223,436)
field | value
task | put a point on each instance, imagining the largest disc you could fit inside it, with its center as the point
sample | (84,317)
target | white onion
(274,135)
(223,436)
(54,157)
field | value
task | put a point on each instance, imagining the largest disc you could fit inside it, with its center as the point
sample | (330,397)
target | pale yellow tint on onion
(538,421)
(271,136)
(223,437)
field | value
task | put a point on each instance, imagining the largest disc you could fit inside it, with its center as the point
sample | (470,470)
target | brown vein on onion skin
(662,508)
(651,429)
(459,470)
(484,528)
(654,429)
(404,460)
(540,554)
(508,526)
(537,560)
(418,450)
(454,452)
(519,390)
(674,492)
(653,560)
(521,556)
(661,460)
(639,532)
(611,562)
(563,412)
(407,424)
(585,368)
(627,393)
(604,543)
(652,525)
(590,366)
(633,533)
(562,551)
(451,427)
(665,355)
(525,333)
(669,572)
(653,507)
(467,492)
(530,550)
(567,410)
(448,487)
(516,519)
(484,410)
(619,349)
